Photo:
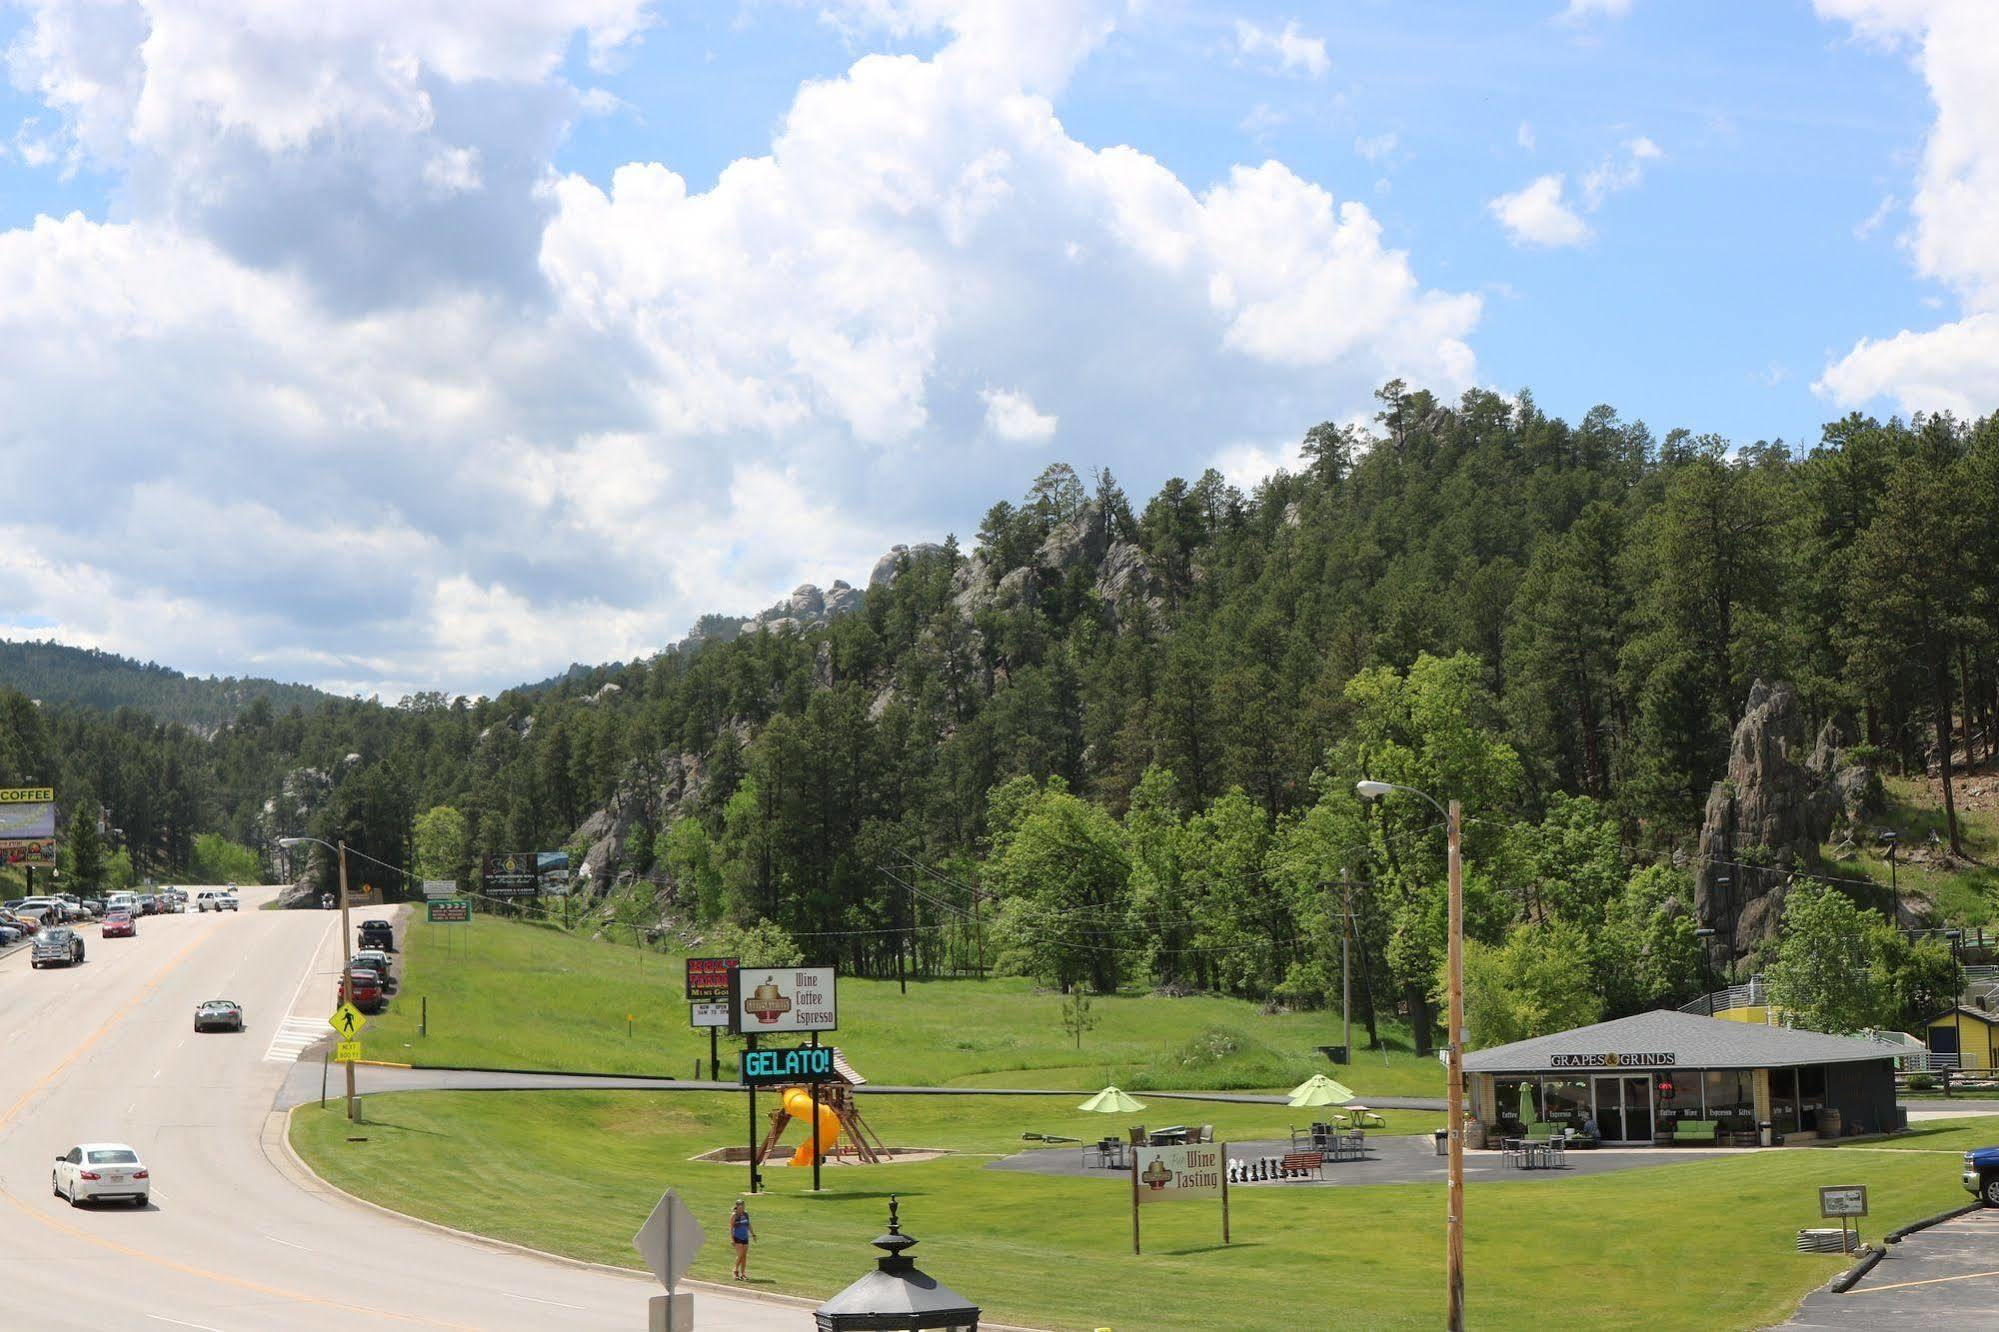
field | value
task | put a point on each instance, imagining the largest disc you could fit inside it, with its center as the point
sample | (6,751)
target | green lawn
(1706,1245)
(515,995)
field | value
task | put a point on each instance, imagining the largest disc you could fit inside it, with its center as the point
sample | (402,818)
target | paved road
(1944,1279)
(235,1241)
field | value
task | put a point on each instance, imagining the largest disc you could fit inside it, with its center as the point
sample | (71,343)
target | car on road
(378,934)
(216,899)
(218,1015)
(118,925)
(149,905)
(57,946)
(92,1171)
(129,901)
(367,996)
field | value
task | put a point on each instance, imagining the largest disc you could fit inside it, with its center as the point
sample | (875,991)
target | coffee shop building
(1636,1077)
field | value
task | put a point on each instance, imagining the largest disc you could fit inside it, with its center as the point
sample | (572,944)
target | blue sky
(449,284)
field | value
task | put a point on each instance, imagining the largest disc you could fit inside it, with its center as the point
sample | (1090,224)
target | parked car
(118,925)
(375,958)
(97,1170)
(93,906)
(1981,1174)
(378,934)
(57,946)
(218,1015)
(25,924)
(10,935)
(129,901)
(367,996)
(49,909)
(74,906)
(149,904)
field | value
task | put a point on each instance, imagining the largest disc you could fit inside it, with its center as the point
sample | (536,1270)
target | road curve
(233,1242)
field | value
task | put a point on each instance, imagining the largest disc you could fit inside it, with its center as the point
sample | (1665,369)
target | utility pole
(347,975)
(1455,1191)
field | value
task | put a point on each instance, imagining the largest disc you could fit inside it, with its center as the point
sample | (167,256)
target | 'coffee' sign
(775,999)
(1614,1059)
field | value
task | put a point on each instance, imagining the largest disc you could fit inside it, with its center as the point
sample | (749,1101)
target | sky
(436,344)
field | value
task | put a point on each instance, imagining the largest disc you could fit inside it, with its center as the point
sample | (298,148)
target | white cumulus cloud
(1538,214)
(1011,416)
(1290,48)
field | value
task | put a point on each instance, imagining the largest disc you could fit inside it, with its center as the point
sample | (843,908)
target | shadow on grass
(1190,1250)
(828,1196)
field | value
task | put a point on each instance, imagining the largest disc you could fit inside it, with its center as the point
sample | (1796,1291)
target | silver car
(94,1170)
(56,946)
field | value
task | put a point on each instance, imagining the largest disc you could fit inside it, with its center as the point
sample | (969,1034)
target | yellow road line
(220,1278)
(1932,1281)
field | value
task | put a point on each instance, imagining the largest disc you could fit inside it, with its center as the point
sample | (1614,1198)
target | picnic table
(1534,1153)
(1168,1137)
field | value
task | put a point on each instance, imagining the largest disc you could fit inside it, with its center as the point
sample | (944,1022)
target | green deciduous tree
(1539,981)
(1822,978)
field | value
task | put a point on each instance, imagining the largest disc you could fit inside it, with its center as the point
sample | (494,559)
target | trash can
(1767,1131)
(1336,1053)
(1443,1137)
(1829,1122)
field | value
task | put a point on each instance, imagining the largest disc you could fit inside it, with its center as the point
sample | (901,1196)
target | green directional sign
(450,911)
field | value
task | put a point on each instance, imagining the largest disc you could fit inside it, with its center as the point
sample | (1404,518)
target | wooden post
(1134,1199)
(815,1123)
(423,1017)
(1454,1193)
(347,974)
(714,1059)
(751,1039)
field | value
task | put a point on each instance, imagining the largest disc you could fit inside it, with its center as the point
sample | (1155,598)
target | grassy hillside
(1643,1247)
(1965,892)
(506,994)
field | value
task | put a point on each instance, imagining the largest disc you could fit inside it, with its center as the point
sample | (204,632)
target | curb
(298,1163)
(378,1063)
(1846,1280)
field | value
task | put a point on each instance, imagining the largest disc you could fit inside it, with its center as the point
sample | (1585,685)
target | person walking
(740,1235)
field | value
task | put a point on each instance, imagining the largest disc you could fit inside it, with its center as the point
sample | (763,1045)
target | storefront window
(1784,1099)
(1811,1095)
(1730,1095)
(1517,1103)
(1678,1095)
(1565,1101)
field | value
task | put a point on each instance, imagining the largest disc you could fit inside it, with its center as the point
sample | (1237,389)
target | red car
(119,925)
(368,995)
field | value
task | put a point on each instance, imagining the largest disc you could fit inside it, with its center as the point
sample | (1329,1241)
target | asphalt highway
(236,1238)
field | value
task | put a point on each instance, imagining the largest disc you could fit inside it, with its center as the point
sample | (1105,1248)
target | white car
(216,900)
(94,1170)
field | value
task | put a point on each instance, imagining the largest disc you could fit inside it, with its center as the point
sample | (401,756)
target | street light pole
(1454,1189)
(1706,936)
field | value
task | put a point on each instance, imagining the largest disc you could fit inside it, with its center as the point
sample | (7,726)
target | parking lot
(1946,1277)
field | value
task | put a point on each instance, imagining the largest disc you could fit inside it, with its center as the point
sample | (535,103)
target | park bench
(1315,1162)
(1694,1132)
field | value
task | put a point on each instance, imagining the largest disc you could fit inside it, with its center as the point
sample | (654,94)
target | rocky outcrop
(884,573)
(1771,813)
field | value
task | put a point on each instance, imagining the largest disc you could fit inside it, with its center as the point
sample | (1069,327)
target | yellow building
(1966,1032)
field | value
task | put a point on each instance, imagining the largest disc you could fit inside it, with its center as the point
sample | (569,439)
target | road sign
(773,999)
(347,1020)
(708,1015)
(450,911)
(435,888)
(669,1239)
(1842,1200)
(347,1052)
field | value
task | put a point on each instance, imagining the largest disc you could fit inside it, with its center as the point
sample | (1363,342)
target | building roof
(1693,1041)
(1976,1014)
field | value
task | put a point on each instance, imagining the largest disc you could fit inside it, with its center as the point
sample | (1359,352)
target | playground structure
(841,1132)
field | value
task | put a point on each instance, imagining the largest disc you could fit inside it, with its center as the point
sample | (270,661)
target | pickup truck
(1981,1174)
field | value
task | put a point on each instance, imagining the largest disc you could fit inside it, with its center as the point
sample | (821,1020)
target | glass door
(1609,1108)
(1638,1109)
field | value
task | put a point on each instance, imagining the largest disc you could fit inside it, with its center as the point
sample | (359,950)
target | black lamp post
(1890,840)
(1725,885)
(1706,936)
(895,1297)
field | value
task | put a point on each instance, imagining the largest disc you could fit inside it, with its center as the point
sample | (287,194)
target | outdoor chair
(1138,1136)
(1207,1133)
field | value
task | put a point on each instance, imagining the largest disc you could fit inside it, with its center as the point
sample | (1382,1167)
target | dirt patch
(737,1156)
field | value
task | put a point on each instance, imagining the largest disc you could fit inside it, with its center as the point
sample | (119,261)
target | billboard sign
(28,826)
(450,911)
(435,888)
(18,851)
(765,1000)
(510,875)
(708,978)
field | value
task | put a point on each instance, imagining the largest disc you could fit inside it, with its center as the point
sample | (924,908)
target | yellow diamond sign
(347,1052)
(347,1021)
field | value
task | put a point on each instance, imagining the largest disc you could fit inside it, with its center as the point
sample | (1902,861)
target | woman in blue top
(740,1235)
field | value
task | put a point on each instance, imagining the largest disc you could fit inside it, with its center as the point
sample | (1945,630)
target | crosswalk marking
(294,1034)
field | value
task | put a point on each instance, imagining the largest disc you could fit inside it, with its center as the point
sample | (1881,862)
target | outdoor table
(1168,1137)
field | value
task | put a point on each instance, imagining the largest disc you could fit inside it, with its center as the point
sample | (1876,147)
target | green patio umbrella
(1110,1101)
(1527,1114)
(1319,1090)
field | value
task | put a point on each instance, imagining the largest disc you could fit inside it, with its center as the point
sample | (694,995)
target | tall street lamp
(1889,839)
(346,947)
(1454,1192)
(1706,935)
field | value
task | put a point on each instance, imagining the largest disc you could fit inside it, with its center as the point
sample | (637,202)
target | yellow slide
(798,1104)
